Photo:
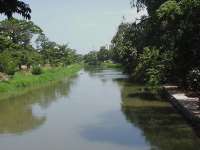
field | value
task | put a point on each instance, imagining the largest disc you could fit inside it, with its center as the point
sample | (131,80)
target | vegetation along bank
(23,82)
(28,59)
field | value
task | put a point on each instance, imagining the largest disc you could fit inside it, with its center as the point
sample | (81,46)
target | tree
(8,7)
(103,54)
(5,43)
(123,48)
(153,66)
(54,53)
(151,5)
(19,31)
(91,58)
(8,63)
(171,27)
(16,48)
(182,21)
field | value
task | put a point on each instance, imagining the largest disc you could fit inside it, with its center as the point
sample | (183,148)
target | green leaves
(8,63)
(103,54)
(153,66)
(19,31)
(171,34)
(9,7)
(123,46)
(16,47)
(55,54)
(193,79)
(91,58)
(169,10)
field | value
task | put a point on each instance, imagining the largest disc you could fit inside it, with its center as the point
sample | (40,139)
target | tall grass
(21,83)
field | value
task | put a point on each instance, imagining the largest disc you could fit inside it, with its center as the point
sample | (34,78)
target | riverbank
(188,106)
(110,65)
(21,82)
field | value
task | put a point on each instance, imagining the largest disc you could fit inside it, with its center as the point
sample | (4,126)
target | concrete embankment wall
(188,106)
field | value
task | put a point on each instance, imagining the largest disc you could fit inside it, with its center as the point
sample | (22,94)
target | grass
(21,82)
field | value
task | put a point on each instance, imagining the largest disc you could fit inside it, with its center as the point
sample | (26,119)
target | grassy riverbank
(21,82)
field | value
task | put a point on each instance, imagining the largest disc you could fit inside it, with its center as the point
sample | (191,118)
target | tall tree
(171,29)
(103,54)
(123,46)
(9,7)
(19,31)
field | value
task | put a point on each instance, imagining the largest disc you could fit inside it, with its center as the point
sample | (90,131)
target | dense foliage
(36,70)
(18,51)
(97,57)
(8,7)
(164,45)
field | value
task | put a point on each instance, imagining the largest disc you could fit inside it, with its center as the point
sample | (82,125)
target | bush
(193,79)
(8,64)
(36,70)
(153,77)
(153,66)
(10,69)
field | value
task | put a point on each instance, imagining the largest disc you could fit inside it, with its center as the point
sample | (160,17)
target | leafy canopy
(9,7)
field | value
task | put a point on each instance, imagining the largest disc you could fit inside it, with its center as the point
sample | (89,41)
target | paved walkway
(189,106)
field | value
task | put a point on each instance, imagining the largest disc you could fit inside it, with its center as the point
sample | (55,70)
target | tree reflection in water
(161,125)
(16,114)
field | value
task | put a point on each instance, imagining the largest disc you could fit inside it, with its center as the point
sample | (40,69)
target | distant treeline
(97,57)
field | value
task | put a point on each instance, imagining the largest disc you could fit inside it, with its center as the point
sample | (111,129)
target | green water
(97,109)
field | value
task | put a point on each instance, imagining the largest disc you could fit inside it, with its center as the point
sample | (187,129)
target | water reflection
(17,115)
(144,122)
(104,74)
(114,129)
(98,110)
(92,70)
(160,124)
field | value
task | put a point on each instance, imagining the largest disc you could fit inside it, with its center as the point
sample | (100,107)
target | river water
(95,110)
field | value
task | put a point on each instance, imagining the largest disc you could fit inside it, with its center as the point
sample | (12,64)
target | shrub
(10,69)
(36,70)
(193,79)
(153,77)
(153,66)
(8,64)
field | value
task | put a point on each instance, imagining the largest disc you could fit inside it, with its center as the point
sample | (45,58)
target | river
(95,110)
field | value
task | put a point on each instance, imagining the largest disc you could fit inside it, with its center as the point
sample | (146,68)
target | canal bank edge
(187,106)
(12,88)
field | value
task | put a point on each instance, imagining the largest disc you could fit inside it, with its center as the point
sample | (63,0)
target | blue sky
(84,24)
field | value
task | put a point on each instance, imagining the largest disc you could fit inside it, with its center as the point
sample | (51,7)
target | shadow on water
(144,122)
(17,114)
(113,129)
(140,122)
(159,122)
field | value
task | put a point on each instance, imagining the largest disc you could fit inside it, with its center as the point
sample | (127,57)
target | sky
(83,24)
